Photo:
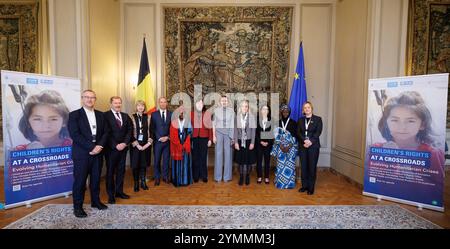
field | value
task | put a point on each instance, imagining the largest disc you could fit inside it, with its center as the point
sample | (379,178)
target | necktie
(163,116)
(119,123)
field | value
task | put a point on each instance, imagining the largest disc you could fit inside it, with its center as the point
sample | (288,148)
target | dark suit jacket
(158,127)
(81,134)
(118,135)
(260,129)
(314,131)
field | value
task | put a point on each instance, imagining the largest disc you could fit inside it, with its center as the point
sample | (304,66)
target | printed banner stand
(36,143)
(405,140)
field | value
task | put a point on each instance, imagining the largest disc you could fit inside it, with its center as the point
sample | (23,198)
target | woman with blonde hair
(140,146)
(309,130)
(244,144)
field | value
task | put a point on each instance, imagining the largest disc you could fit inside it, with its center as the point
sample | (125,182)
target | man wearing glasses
(89,134)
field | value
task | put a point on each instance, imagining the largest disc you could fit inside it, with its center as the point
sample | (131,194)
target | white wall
(317,34)
(68,38)
(370,43)
(138,20)
(103,58)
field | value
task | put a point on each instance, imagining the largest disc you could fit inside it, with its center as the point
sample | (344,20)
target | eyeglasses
(87,97)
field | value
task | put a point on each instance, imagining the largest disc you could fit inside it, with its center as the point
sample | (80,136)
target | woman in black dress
(140,146)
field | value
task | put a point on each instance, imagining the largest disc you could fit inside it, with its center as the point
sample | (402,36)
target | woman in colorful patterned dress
(285,150)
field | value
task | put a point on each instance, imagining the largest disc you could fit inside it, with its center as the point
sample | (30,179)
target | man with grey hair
(89,133)
(159,127)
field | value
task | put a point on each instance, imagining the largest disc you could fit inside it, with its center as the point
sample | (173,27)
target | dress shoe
(156,182)
(136,186)
(123,196)
(144,184)
(195,180)
(302,190)
(241,180)
(267,181)
(99,206)
(310,192)
(247,179)
(79,213)
(205,180)
(259,181)
(111,200)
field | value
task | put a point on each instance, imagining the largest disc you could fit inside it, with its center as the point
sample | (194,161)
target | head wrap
(285,107)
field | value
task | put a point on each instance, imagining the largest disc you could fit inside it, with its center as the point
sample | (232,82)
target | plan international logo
(392,84)
(32,81)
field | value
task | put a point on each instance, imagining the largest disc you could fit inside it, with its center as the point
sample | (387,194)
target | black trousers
(309,158)
(263,153)
(115,172)
(82,168)
(199,158)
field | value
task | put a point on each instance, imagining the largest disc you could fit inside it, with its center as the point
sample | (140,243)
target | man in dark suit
(159,126)
(120,127)
(89,134)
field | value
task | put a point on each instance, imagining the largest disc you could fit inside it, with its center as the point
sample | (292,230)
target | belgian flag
(144,86)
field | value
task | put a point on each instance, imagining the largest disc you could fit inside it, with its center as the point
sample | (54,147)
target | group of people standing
(182,140)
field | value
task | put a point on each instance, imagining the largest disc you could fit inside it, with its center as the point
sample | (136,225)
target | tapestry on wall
(227,49)
(18,38)
(429,50)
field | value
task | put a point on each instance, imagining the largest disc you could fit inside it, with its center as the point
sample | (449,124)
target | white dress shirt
(92,120)
(165,114)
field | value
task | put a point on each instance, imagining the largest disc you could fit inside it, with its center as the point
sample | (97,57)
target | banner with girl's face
(37,147)
(405,140)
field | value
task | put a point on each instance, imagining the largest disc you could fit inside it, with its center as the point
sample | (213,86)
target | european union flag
(298,92)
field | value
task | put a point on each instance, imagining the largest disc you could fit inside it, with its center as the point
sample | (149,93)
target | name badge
(140,137)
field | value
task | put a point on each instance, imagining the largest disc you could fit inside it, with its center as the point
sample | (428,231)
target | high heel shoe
(259,180)
(136,186)
(267,181)
(144,184)
(241,180)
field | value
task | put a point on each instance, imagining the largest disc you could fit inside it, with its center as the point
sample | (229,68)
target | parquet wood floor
(332,189)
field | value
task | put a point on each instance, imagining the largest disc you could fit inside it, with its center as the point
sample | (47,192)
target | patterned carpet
(57,216)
